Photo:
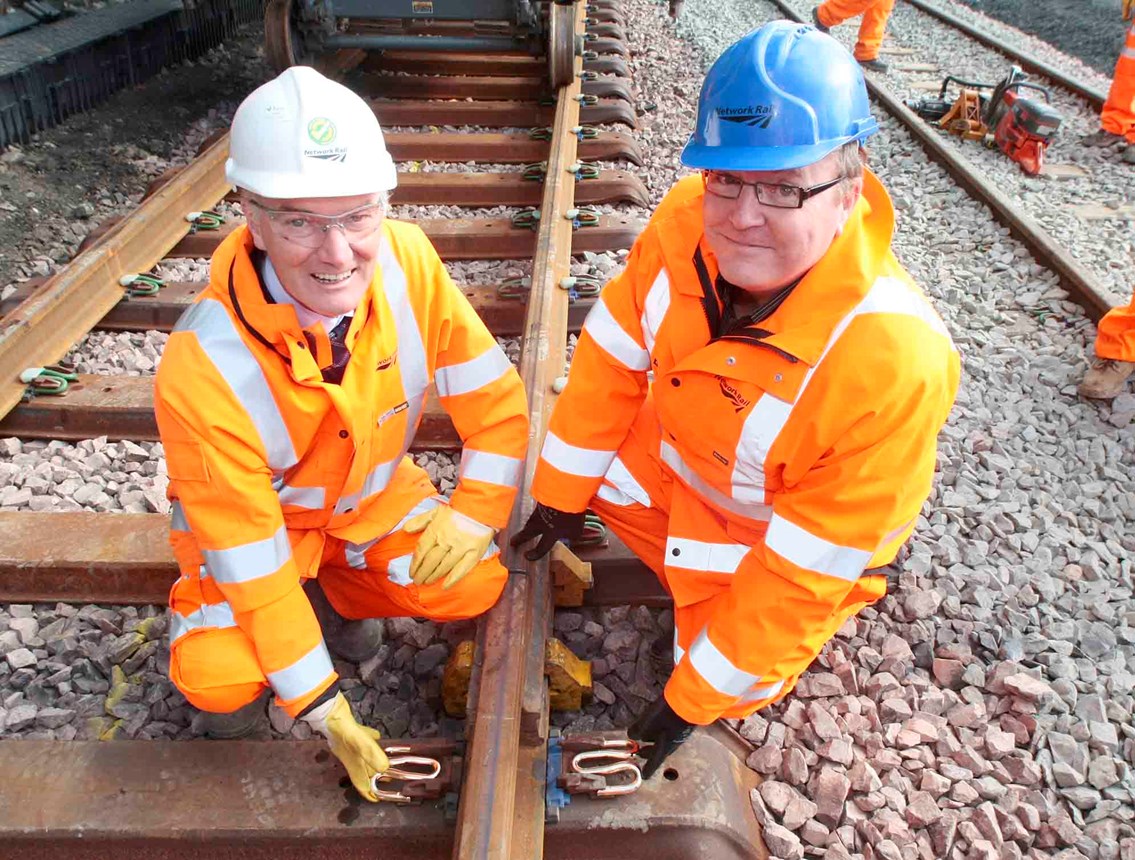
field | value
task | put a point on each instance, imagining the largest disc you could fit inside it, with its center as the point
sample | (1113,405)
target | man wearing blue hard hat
(773,385)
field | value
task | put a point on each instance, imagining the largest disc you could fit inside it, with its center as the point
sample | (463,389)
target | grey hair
(852,158)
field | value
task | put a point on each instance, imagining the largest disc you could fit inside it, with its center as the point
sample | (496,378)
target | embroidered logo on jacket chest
(389,361)
(730,393)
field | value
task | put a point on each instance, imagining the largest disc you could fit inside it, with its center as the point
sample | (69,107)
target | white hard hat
(303,135)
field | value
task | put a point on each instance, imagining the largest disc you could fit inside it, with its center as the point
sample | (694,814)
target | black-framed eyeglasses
(776,194)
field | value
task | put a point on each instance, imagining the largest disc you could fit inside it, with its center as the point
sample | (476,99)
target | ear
(252,217)
(847,202)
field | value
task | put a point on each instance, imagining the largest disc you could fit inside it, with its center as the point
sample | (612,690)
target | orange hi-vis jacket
(265,459)
(812,438)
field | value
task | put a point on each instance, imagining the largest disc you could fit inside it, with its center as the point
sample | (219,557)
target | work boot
(1106,378)
(816,20)
(239,724)
(1101,138)
(352,640)
(875,65)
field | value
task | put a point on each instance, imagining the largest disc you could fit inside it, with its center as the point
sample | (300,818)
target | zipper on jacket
(709,298)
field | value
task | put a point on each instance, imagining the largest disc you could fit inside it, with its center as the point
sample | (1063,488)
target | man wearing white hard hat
(287,399)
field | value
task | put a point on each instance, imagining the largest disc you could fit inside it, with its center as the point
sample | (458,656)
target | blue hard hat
(782,96)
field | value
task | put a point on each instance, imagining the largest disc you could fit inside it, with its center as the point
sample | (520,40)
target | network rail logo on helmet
(322,131)
(754,115)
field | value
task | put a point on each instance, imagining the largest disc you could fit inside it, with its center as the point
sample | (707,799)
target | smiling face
(762,248)
(331,279)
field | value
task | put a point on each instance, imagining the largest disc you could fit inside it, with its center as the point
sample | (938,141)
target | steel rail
(1027,61)
(1080,283)
(501,812)
(42,329)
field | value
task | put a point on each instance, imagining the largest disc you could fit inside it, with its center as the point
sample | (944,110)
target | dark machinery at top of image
(1020,126)
(299,31)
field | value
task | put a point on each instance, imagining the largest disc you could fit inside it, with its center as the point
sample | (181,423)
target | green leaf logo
(321,130)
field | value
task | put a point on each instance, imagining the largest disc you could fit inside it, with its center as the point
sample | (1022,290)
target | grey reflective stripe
(718,670)
(177,520)
(1127,53)
(491,468)
(303,675)
(249,561)
(473,374)
(216,615)
(655,307)
(812,552)
(398,570)
(356,552)
(671,457)
(762,691)
(411,352)
(621,488)
(613,339)
(309,498)
(210,322)
(373,484)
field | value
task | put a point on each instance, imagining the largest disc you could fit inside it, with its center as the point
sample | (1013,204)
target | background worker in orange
(782,453)
(287,397)
(1117,119)
(1114,363)
(875,14)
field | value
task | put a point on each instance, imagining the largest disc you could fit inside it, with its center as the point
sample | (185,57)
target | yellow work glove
(355,745)
(451,545)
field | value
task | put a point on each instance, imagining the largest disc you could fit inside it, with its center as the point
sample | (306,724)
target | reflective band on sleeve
(177,520)
(249,561)
(621,488)
(717,670)
(470,375)
(585,462)
(607,332)
(765,691)
(805,550)
(704,556)
(214,329)
(654,309)
(217,615)
(1127,53)
(398,570)
(308,498)
(756,512)
(491,468)
(303,675)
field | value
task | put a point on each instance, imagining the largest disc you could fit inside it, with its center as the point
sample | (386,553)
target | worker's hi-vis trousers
(875,14)
(1118,114)
(1116,336)
(217,668)
(646,508)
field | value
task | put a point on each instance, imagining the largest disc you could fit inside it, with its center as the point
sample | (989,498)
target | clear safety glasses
(309,229)
(730,186)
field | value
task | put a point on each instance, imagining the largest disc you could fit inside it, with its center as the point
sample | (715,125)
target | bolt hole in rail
(501,790)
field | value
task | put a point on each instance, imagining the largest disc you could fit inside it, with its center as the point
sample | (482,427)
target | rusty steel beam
(494,114)
(44,328)
(511,189)
(497,65)
(120,559)
(122,407)
(499,148)
(461,238)
(501,813)
(483,88)
(505,317)
(284,800)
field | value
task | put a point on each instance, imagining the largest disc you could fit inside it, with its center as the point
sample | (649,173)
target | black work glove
(550,525)
(659,728)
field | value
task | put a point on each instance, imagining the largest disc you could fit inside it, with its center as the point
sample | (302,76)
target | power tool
(1021,127)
